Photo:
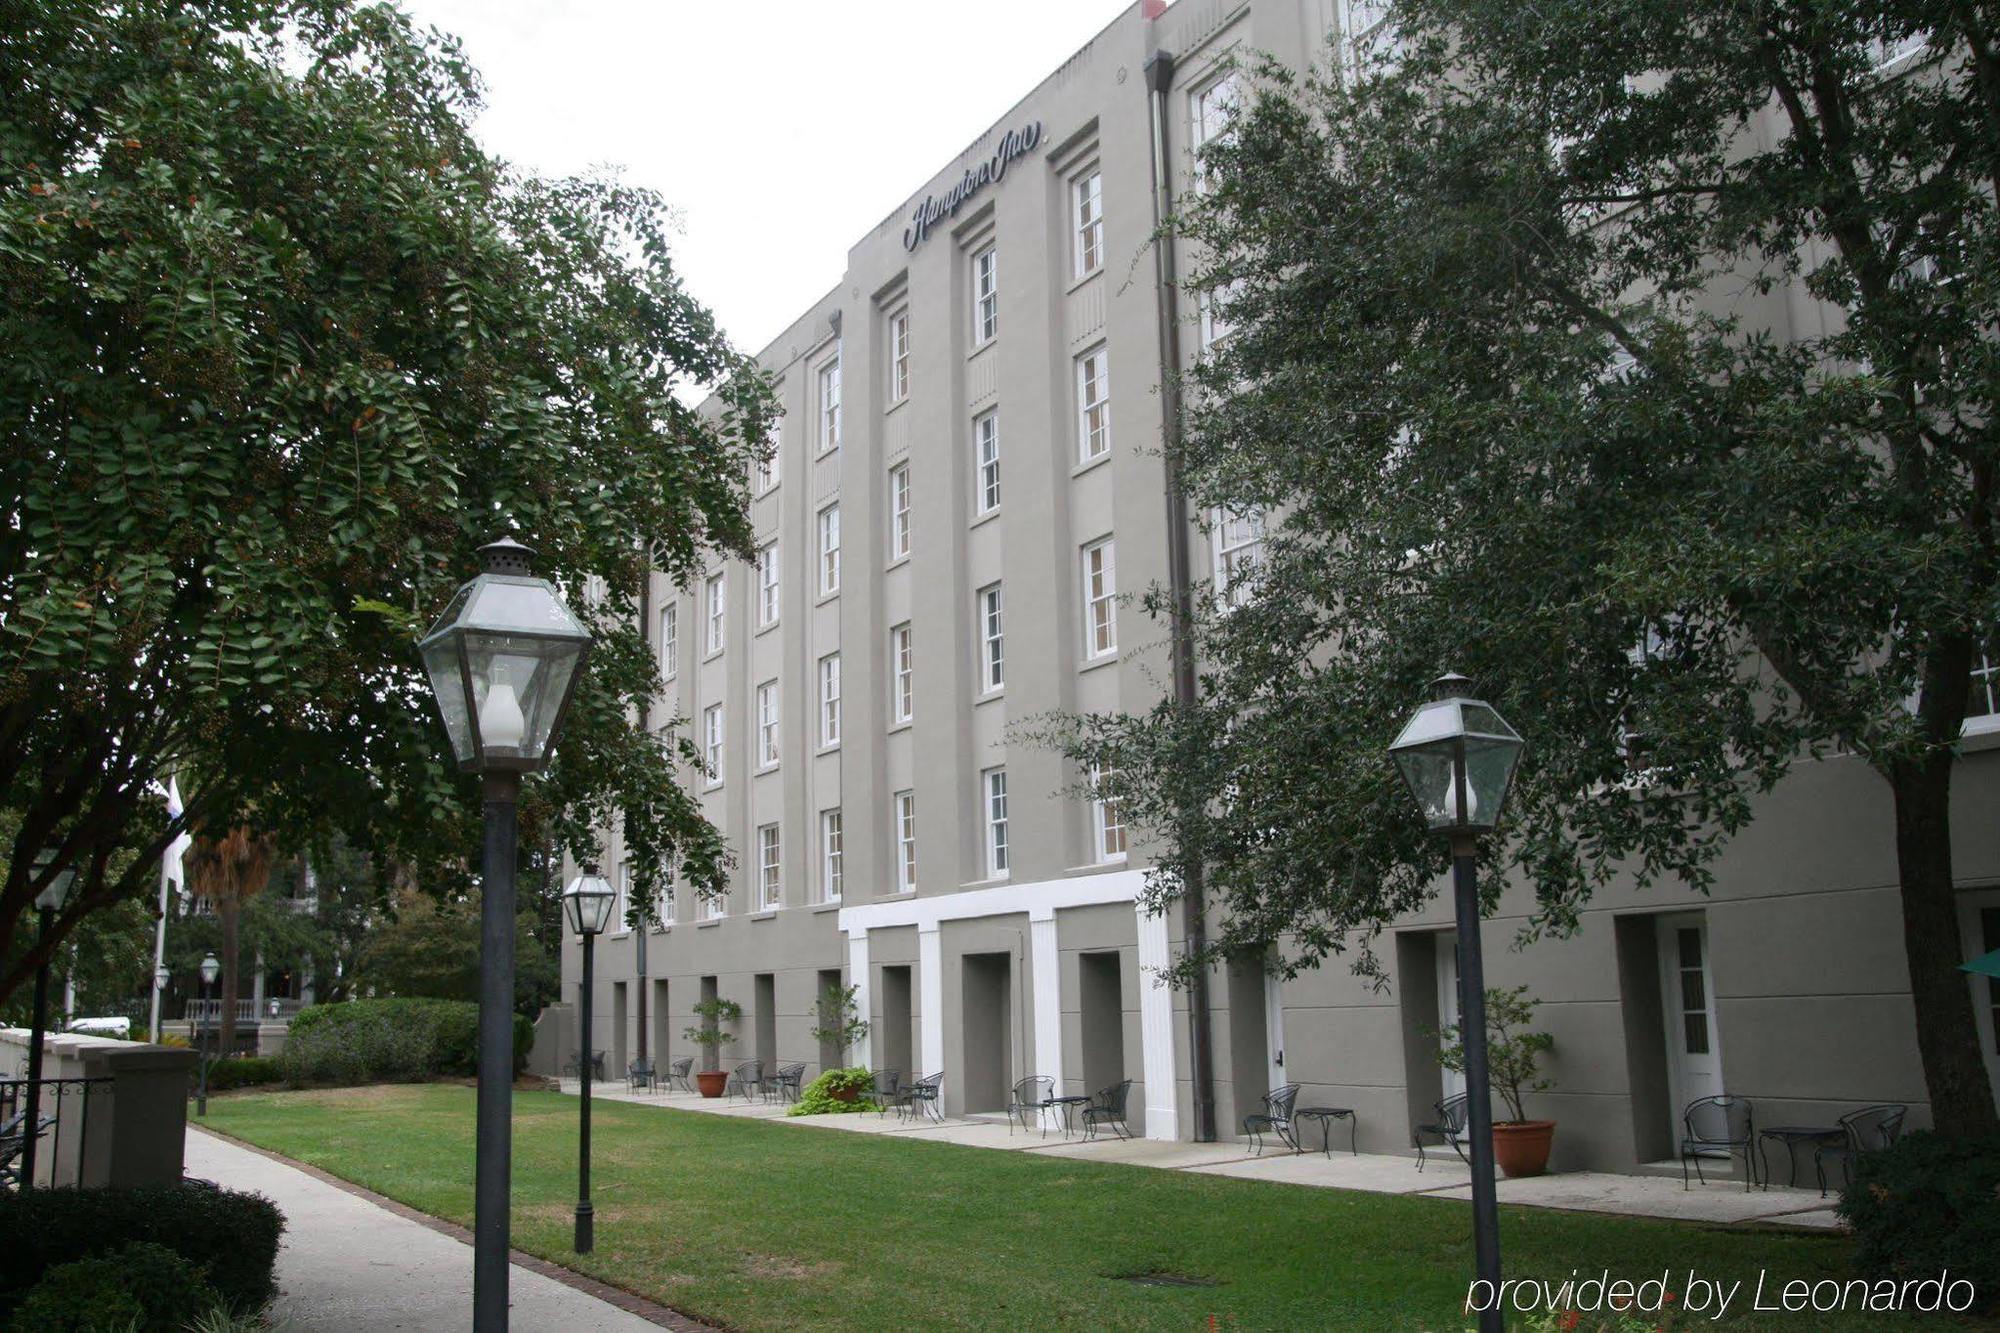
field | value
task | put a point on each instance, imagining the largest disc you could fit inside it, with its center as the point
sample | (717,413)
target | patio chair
(1107,1107)
(639,1075)
(1449,1127)
(785,1083)
(886,1081)
(1034,1093)
(679,1072)
(747,1077)
(924,1097)
(1868,1130)
(1722,1122)
(14,1141)
(1275,1118)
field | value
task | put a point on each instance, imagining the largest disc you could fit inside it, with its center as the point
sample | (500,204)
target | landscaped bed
(764,1225)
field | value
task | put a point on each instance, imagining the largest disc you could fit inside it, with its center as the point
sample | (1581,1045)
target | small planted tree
(1513,1054)
(709,1034)
(840,1022)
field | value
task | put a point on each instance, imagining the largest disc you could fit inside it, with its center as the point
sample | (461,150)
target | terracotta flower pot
(1521,1147)
(846,1094)
(712,1081)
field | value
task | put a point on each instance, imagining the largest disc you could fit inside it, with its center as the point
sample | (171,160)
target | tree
(1513,377)
(283,346)
(229,870)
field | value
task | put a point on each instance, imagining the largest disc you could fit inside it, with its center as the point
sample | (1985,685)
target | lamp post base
(586,1235)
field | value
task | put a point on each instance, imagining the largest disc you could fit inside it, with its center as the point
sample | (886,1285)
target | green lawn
(778,1226)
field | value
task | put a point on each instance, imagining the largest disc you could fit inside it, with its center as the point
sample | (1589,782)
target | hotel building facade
(968,478)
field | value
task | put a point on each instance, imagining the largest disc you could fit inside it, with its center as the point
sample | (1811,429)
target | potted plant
(711,1037)
(1520,1145)
(840,1026)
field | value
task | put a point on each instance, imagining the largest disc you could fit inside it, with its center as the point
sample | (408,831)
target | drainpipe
(1159,76)
(645,724)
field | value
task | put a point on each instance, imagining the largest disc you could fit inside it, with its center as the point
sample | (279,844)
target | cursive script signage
(1013,144)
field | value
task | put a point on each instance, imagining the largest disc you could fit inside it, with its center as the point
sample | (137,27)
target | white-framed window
(899,357)
(1887,52)
(715,907)
(986,457)
(1367,33)
(766,473)
(1213,304)
(767,724)
(1093,404)
(1086,195)
(992,640)
(1982,709)
(621,903)
(899,511)
(712,603)
(1107,815)
(829,406)
(670,640)
(1100,599)
(906,841)
(667,902)
(1237,543)
(902,675)
(993,782)
(829,550)
(829,699)
(711,743)
(1211,109)
(829,856)
(985,296)
(770,870)
(767,585)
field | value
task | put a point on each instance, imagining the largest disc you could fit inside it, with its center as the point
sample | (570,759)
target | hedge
(232,1237)
(243,1071)
(396,1040)
(1928,1205)
(139,1288)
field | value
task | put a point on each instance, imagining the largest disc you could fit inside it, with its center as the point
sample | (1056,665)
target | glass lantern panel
(1489,768)
(530,606)
(589,902)
(1437,721)
(519,684)
(449,617)
(1480,718)
(1428,771)
(441,664)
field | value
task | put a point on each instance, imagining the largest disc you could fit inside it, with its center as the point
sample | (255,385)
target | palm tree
(229,871)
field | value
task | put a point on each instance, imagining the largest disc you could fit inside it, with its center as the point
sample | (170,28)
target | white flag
(178,848)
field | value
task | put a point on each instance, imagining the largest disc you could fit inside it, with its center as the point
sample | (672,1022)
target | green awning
(1986,964)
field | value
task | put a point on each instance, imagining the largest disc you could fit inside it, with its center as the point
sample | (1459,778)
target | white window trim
(993,809)
(770,868)
(1100,829)
(769,737)
(1099,357)
(1222,553)
(769,472)
(984,295)
(902,673)
(829,549)
(903,808)
(980,463)
(989,604)
(899,511)
(832,855)
(670,640)
(770,586)
(829,408)
(714,743)
(829,701)
(715,613)
(1108,599)
(899,356)
(1086,229)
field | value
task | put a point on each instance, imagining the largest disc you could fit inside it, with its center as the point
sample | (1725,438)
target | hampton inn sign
(1013,144)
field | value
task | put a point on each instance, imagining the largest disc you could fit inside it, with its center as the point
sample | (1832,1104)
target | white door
(1687,993)
(1447,970)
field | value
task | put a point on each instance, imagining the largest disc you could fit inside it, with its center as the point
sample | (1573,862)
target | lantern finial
(507,556)
(1451,685)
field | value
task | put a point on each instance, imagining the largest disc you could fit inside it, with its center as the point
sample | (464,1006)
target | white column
(857,977)
(930,988)
(1045,962)
(1156,1028)
(1274,1030)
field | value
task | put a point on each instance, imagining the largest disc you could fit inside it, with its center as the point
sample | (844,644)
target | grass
(756,1226)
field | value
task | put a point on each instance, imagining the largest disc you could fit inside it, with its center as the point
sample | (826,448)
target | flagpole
(159,949)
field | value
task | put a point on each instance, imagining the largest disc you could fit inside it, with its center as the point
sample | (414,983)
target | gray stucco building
(968,474)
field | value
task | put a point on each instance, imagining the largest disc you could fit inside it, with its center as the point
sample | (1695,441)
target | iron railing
(46,1148)
(208,1013)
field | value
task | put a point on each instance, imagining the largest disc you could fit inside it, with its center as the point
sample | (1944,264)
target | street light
(587,901)
(51,900)
(1458,757)
(210,970)
(503,661)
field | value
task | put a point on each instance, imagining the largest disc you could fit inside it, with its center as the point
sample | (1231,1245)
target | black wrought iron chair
(1722,1123)
(1449,1127)
(886,1085)
(1275,1118)
(679,1072)
(784,1085)
(639,1075)
(747,1079)
(1870,1129)
(1035,1093)
(1107,1107)
(924,1097)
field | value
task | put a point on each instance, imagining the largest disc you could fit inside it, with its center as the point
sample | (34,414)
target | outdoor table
(1066,1103)
(1326,1115)
(1792,1136)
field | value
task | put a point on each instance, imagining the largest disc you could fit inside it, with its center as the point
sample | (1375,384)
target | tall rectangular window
(1238,543)
(1213,107)
(766,475)
(985,296)
(1100,604)
(767,724)
(1983,705)
(711,595)
(770,872)
(829,856)
(829,699)
(767,585)
(829,405)
(899,511)
(1108,814)
(899,357)
(670,640)
(986,455)
(711,743)
(1093,404)
(666,896)
(906,842)
(994,781)
(1086,194)
(992,641)
(902,683)
(829,550)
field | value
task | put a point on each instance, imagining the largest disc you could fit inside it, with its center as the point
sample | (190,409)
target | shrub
(243,1071)
(817,1097)
(396,1040)
(142,1287)
(1929,1204)
(230,1237)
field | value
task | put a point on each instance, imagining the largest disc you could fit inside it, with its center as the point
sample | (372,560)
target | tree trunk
(227,911)
(1947,1034)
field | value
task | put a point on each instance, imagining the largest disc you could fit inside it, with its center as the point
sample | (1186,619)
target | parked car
(120,1028)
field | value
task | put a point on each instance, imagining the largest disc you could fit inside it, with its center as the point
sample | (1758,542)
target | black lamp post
(52,899)
(210,970)
(503,660)
(1458,756)
(588,901)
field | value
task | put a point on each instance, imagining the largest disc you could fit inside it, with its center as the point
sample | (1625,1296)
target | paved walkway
(350,1263)
(1718,1202)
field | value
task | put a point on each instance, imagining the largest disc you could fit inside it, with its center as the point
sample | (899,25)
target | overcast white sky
(780,130)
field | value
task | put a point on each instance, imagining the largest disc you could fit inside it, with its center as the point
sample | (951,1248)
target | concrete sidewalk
(348,1263)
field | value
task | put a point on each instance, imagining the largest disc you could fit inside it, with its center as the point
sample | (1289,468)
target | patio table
(1792,1136)
(1326,1115)
(1067,1103)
